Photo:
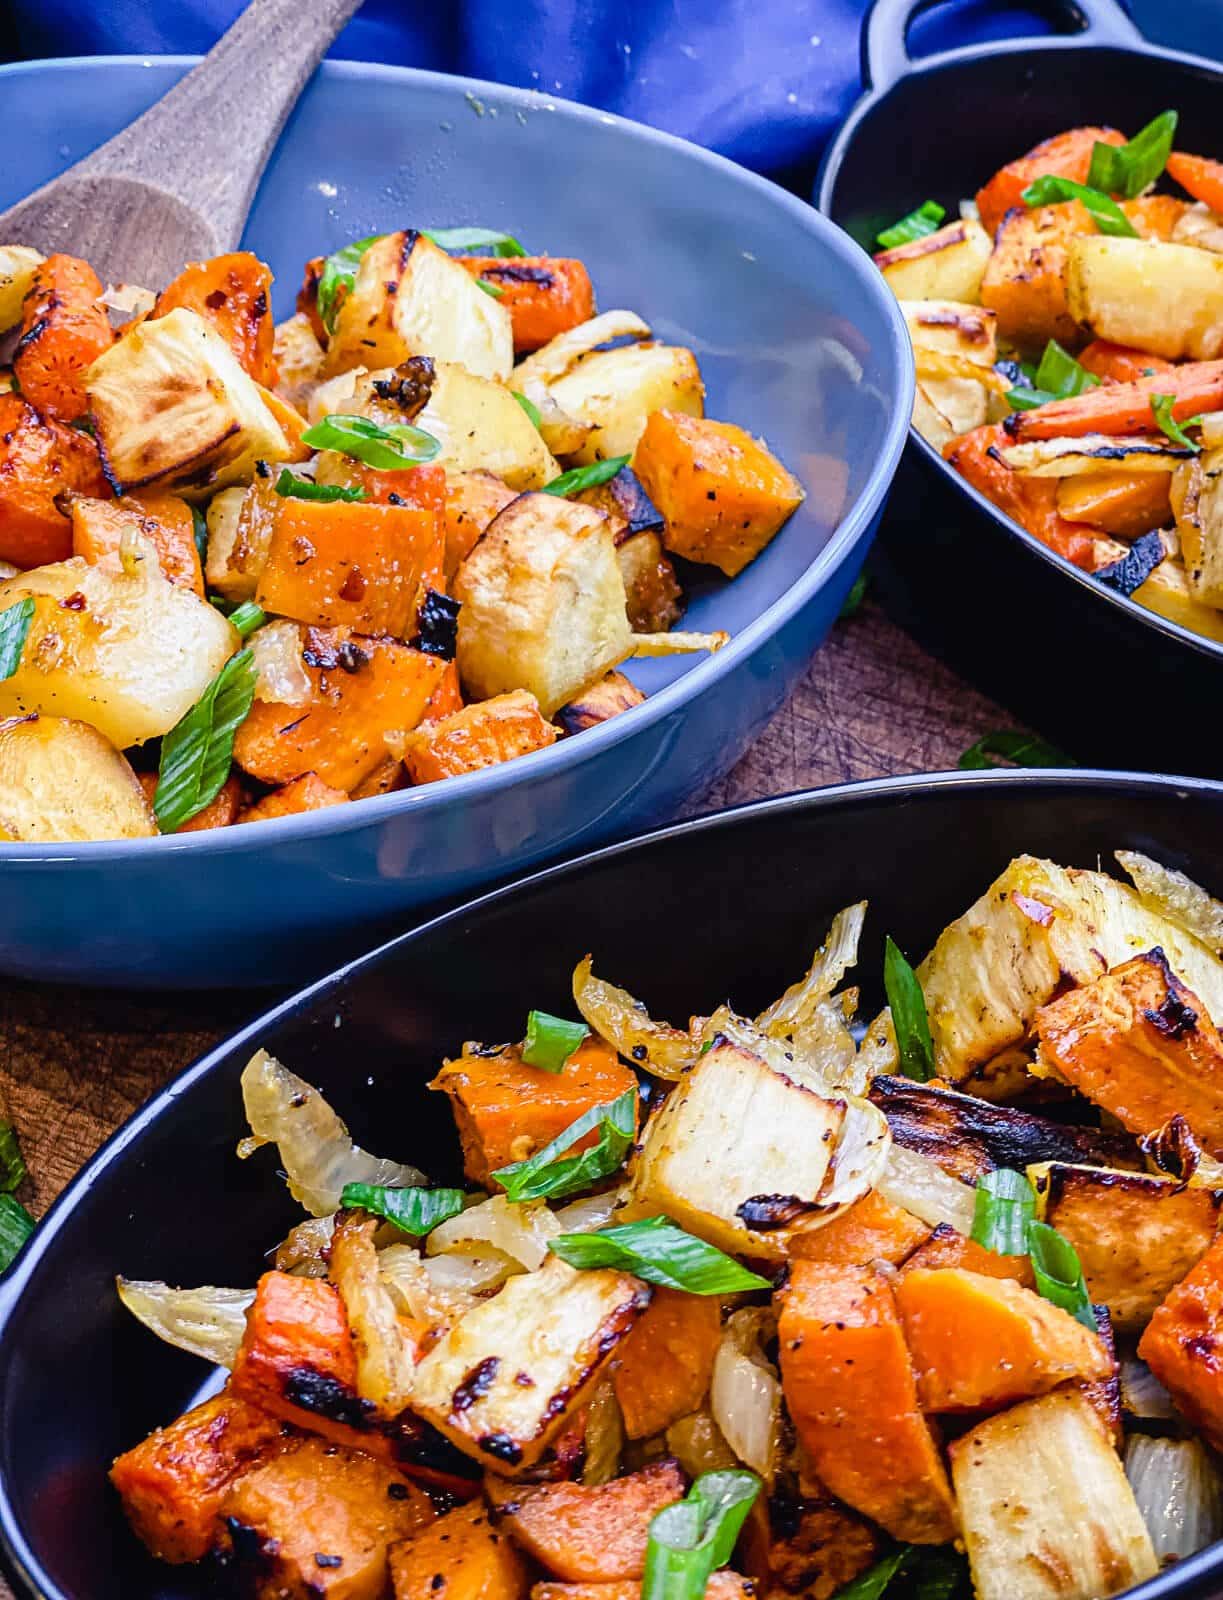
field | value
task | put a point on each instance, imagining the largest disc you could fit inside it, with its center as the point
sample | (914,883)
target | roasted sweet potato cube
(1025,280)
(40,461)
(722,494)
(165,520)
(477,736)
(873,1229)
(1140,1044)
(663,1368)
(461,1556)
(234,293)
(307,793)
(1066,155)
(173,1483)
(322,1518)
(947,1248)
(852,1397)
(1125,504)
(607,698)
(505,1110)
(596,1535)
(544,295)
(64,328)
(1183,1344)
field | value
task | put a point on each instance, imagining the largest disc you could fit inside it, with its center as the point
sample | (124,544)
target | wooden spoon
(176,184)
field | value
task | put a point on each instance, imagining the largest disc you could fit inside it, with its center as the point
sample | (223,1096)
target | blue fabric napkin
(765,83)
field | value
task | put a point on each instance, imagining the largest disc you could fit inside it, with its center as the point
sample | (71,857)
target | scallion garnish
(550,1172)
(529,406)
(247,616)
(916,225)
(590,477)
(340,273)
(197,752)
(414,1211)
(15,623)
(1058,377)
(659,1252)
(294,488)
(1105,212)
(1016,749)
(1130,168)
(1005,1206)
(550,1040)
(478,241)
(690,1540)
(385,449)
(12,1163)
(909,1019)
(1059,1273)
(16,1226)
(852,603)
(494,289)
(872,1583)
(1161,410)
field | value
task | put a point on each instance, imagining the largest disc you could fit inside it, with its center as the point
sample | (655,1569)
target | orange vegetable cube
(447,698)
(873,1229)
(1183,1344)
(1067,155)
(947,1248)
(461,1556)
(544,295)
(1124,504)
(1025,281)
(662,1370)
(234,293)
(64,329)
(164,520)
(307,793)
(1198,176)
(721,493)
(40,461)
(477,736)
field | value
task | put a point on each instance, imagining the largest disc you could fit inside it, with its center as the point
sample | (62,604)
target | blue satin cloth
(763,81)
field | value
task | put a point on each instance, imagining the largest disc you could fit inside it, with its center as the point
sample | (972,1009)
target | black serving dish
(1110,681)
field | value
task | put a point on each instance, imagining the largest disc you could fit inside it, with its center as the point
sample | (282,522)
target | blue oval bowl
(798,340)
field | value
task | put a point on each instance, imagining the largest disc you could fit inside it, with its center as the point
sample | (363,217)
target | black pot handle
(885,52)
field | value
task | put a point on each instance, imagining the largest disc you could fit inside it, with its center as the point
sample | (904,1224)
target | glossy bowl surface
(797,340)
(1090,668)
(729,906)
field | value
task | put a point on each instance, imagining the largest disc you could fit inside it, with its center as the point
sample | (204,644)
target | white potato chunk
(1197,497)
(502,1383)
(62,782)
(614,392)
(1199,226)
(173,409)
(128,655)
(943,408)
(18,264)
(1093,453)
(1166,299)
(480,426)
(299,359)
(554,359)
(946,265)
(410,299)
(220,569)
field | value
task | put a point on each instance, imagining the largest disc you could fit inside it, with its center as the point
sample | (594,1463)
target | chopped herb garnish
(197,752)
(494,289)
(475,241)
(690,1540)
(414,1211)
(12,1164)
(909,1019)
(1105,212)
(1059,1273)
(294,488)
(385,449)
(586,477)
(549,1172)
(247,617)
(659,1252)
(1016,749)
(1161,409)
(1005,1206)
(16,1226)
(550,1040)
(1130,168)
(15,623)
(339,274)
(926,219)
(1058,377)
(872,1583)
(529,406)
(852,603)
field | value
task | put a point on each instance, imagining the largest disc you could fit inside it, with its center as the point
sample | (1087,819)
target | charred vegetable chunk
(544,295)
(64,328)
(608,698)
(40,461)
(948,1248)
(307,793)
(1184,1341)
(873,1229)
(945,265)
(1026,277)
(234,294)
(476,737)
(473,499)
(461,1556)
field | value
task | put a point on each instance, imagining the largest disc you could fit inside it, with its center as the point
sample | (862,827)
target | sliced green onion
(340,272)
(384,449)
(909,1017)
(853,600)
(247,617)
(1161,409)
(551,1040)
(15,623)
(1059,1273)
(1106,213)
(544,1174)
(16,1226)
(872,1583)
(1005,1205)
(1017,749)
(199,531)
(529,406)
(475,241)
(294,488)
(414,1211)
(1129,168)
(494,289)
(1059,377)
(690,1540)
(586,477)
(12,1163)
(197,752)
(659,1252)
(916,225)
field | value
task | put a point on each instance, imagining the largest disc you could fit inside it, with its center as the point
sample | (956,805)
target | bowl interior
(729,907)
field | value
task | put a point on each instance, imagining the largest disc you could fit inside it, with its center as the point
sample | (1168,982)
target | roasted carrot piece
(947,1248)
(220,812)
(354,565)
(1124,407)
(1103,1395)
(98,527)
(1066,155)
(1141,1045)
(473,499)
(852,1395)
(979,1343)
(1183,1344)
(505,1110)
(1124,504)
(544,295)
(1120,363)
(63,331)
(1032,502)
(362,689)
(461,1556)
(173,1483)
(595,1535)
(1198,176)
(873,1229)
(307,793)
(322,1519)
(478,736)
(661,1372)
(40,462)
(234,293)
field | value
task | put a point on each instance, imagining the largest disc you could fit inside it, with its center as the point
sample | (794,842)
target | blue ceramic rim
(705,674)
(829,171)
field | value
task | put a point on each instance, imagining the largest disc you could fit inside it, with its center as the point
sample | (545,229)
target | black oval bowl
(1107,679)
(728,906)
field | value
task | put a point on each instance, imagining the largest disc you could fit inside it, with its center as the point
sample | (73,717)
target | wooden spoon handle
(207,140)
